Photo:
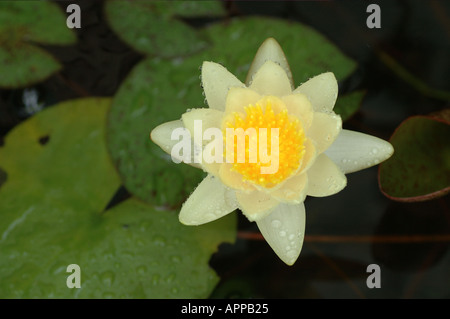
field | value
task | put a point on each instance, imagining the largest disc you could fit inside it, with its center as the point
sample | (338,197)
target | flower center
(265,145)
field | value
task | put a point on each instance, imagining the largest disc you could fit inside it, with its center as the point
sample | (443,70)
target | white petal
(321,91)
(216,81)
(256,205)
(161,136)
(293,191)
(325,178)
(284,230)
(269,50)
(209,118)
(324,130)
(271,79)
(353,151)
(239,98)
(210,201)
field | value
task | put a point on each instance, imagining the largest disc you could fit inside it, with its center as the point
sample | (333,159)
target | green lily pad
(23,23)
(151,27)
(57,180)
(25,64)
(348,104)
(420,167)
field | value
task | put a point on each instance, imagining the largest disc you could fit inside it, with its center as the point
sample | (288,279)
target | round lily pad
(420,167)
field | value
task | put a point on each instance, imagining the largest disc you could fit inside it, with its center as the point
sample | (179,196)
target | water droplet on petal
(282,233)
(291,254)
(276,223)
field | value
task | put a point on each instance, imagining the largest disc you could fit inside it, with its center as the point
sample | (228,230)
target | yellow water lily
(308,155)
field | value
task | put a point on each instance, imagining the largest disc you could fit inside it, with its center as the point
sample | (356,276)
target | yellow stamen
(268,113)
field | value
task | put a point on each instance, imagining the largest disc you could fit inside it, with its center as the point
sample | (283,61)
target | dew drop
(276,223)
(374,150)
(282,233)
(344,160)
(170,278)
(159,241)
(291,254)
(155,279)
(291,237)
(175,259)
(141,270)
(107,278)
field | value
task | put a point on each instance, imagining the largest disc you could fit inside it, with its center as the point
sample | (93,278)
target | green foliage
(154,28)
(58,180)
(419,169)
(23,24)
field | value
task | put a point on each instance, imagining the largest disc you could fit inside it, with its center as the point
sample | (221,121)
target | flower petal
(271,79)
(324,130)
(321,91)
(299,106)
(269,50)
(239,98)
(210,201)
(233,179)
(293,190)
(161,136)
(309,156)
(216,81)
(256,205)
(325,178)
(353,151)
(284,231)
(208,117)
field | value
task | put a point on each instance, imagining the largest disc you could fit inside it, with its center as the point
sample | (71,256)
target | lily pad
(23,23)
(419,170)
(58,180)
(152,27)
(158,91)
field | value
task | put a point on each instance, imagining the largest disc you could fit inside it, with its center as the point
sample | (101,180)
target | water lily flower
(313,151)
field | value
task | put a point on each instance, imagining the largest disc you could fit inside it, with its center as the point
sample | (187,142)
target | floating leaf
(159,91)
(22,23)
(57,180)
(420,167)
(151,28)
(348,104)
(25,64)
